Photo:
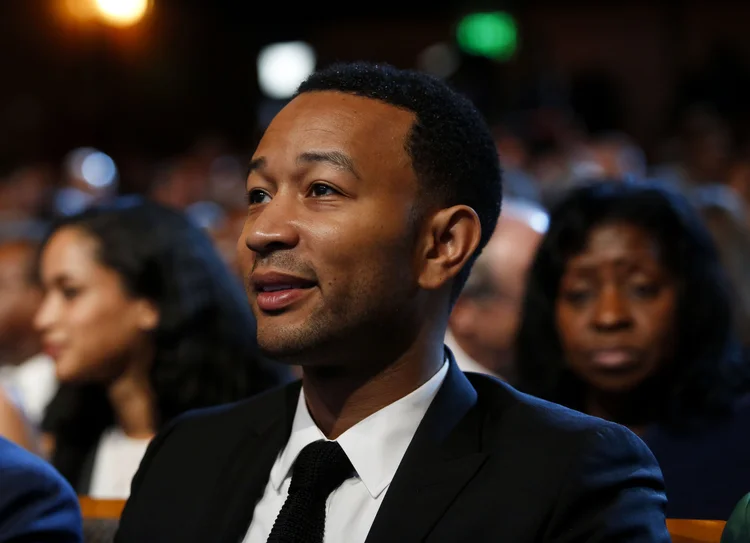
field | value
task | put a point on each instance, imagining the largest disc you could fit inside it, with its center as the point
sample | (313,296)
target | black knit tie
(320,468)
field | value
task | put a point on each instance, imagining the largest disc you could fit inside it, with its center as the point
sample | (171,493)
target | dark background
(188,70)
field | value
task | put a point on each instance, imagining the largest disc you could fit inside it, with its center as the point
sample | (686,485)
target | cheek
(570,327)
(363,252)
(657,323)
(99,338)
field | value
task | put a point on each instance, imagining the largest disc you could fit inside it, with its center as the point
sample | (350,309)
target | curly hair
(206,352)
(709,371)
(451,148)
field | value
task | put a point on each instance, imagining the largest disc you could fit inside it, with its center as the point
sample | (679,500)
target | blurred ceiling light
(92,166)
(83,10)
(283,66)
(98,170)
(493,35)
(440,60)
(121,12)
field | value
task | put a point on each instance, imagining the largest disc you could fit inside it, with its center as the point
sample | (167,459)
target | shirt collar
(375,446)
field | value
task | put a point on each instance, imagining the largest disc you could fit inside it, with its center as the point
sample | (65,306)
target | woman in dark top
(628,317)
(144,322)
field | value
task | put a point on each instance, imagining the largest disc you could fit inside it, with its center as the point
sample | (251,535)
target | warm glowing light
(121,12)
(83,10)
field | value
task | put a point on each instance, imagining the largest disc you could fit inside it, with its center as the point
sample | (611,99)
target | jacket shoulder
(509,410)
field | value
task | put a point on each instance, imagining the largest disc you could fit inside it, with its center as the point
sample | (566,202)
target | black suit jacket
(487,464)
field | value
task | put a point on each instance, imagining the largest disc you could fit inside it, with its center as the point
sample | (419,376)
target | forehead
(68,247)
(368,130)
(618,242)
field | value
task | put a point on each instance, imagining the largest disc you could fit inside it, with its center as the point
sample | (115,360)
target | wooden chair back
(695,531)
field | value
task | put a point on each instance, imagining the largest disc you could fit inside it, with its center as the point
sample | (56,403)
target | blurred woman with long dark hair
(145,322)
(628,316)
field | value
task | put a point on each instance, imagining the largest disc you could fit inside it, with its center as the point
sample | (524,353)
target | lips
(52,350)
(614,358)
(276,291)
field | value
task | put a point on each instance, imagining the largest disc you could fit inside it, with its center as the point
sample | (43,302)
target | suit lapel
(441,459)
(243,479)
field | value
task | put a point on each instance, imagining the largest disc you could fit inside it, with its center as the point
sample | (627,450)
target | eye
(321,189)
(70,292)
(577,296)
(645,290)
(257,196)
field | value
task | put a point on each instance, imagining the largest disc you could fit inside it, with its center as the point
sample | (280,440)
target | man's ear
(451,236)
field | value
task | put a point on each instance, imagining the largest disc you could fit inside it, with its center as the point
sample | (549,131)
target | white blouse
(117,459)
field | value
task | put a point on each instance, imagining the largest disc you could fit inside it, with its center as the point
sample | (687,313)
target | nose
(272,227)
(46,314)
(612,311)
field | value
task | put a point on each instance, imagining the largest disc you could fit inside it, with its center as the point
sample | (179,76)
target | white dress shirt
(375,446)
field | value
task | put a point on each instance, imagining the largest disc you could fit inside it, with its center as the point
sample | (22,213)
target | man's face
(328,247)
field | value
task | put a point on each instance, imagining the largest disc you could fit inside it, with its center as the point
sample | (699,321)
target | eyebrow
(337,159)
(255,165)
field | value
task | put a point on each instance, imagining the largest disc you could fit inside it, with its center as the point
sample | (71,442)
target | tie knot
(321,467)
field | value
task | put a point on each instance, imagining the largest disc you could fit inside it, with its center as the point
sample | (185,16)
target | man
(370,194)
(483,323)
(28,376)
(36,503)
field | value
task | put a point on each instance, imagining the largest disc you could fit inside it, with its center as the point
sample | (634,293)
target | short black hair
(709,371)
(450,145)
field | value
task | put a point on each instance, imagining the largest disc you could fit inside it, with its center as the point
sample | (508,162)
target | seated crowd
(618,299)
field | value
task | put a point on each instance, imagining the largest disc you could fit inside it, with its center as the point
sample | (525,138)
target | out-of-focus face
(486,316)
(328,247)
(89,324)
(616,309)
(19,300)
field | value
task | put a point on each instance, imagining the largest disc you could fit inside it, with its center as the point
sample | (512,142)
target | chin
(67,374)
(619,386)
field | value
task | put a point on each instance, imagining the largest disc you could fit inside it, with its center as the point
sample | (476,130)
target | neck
(340,397)
(132,400)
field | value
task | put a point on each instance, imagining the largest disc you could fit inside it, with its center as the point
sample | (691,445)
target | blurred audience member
(27,375)
(484,320)
(628,317)
(732,238)
(739,179)
(514,156)
(703,151)
(15,427)
(144,322)
(24,190)
(180,183)
(225,235)
(227,176)
(609,156)
(36,504)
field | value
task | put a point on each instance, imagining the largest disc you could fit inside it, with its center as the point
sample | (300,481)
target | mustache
(285,262)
